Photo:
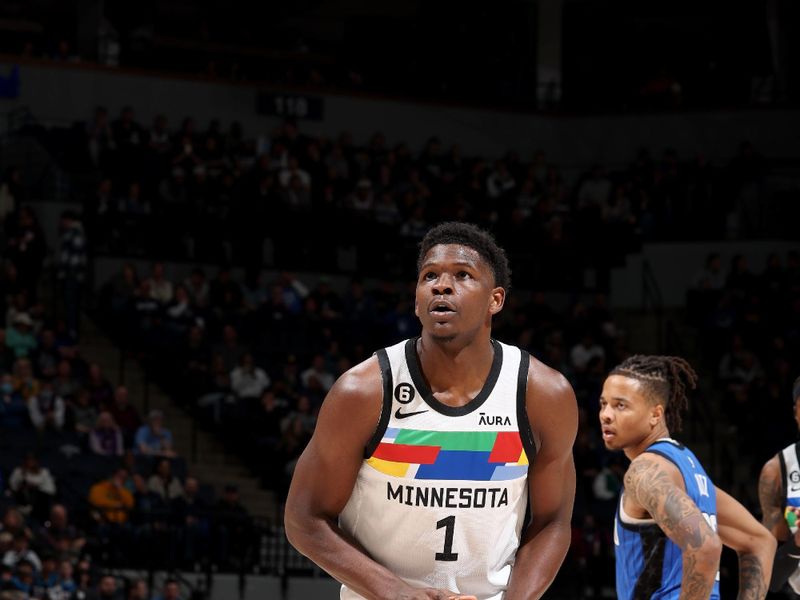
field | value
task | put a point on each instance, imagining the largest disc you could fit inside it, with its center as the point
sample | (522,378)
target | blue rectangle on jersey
(459,464)
(391,433)
(505,473)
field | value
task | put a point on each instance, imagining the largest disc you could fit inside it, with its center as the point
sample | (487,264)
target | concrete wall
(69,93)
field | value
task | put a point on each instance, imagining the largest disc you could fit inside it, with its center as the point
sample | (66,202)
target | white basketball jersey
(790,469)
(441,496)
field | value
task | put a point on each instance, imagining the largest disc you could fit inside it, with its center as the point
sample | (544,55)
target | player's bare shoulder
(550,401)
(356,398)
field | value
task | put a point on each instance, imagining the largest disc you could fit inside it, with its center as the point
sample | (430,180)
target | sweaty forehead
(454,253)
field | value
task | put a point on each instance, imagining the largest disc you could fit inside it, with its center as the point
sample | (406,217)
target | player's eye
(429,276)
(463,275)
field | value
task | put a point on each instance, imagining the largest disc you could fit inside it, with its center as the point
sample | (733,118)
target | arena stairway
(211,464)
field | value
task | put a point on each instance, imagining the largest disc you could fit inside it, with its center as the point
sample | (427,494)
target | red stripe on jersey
(507,447)
(423,455)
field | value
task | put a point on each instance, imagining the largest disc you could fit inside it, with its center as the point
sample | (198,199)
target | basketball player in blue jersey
(779,496)
(671,520)
(416,482)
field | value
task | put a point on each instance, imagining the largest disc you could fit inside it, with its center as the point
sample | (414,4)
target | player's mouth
(442,310)
(608,434)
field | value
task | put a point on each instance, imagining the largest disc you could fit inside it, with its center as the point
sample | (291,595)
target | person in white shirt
(318,371)
(248,380)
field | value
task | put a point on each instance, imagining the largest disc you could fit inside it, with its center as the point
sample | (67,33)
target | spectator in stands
(59,537)
(33,487)
(47,409)
(65,383)
(21,551)
(125,415)
(24,578)
(139,590)
(47,578)
(265,423)
(66,584)
(164,484)
(121,290)
(47,355)
(197,287)
(71,268)
(317,377)
(20,337)
(218,390)
(14,523)
(179,314)
(101,394)
(84,415)
(230,349)
(225,299)
(13,407)
(7,586)
(740,280)
(193,519)
(584,351)
(107,589)
(111,500)
(26,249)
(105,439)
(249,381)
(99,138)
(153,439)
(160,287)
(711,277)
(25,383)
(232,530)
(170,591)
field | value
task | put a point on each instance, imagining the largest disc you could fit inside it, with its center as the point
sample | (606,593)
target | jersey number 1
(449,523)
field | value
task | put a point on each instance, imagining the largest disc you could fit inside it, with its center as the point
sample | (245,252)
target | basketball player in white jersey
(779,495)
(416,482)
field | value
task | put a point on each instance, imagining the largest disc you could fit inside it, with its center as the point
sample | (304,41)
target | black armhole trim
(523,422)
(782,462)
(386,408)
(635,527)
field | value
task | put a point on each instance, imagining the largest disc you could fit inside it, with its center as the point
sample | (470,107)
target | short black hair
(668,378)
(471,236)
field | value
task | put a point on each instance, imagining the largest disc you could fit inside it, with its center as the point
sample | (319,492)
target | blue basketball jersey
(649,564)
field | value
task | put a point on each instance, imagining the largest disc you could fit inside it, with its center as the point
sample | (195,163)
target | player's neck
(453,364)
(658,433)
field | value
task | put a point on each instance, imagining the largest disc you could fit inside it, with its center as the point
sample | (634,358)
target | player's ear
(656,415)
(416,307)
(497,301)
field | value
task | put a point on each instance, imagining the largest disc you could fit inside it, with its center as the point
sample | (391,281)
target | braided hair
(667,378)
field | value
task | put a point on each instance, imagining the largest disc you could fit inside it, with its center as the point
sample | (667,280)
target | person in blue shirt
(671,519)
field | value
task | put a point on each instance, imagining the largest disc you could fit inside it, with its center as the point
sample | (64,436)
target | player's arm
(770,496)
(738,529)
(323,481)
(656,484)
(553,415)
